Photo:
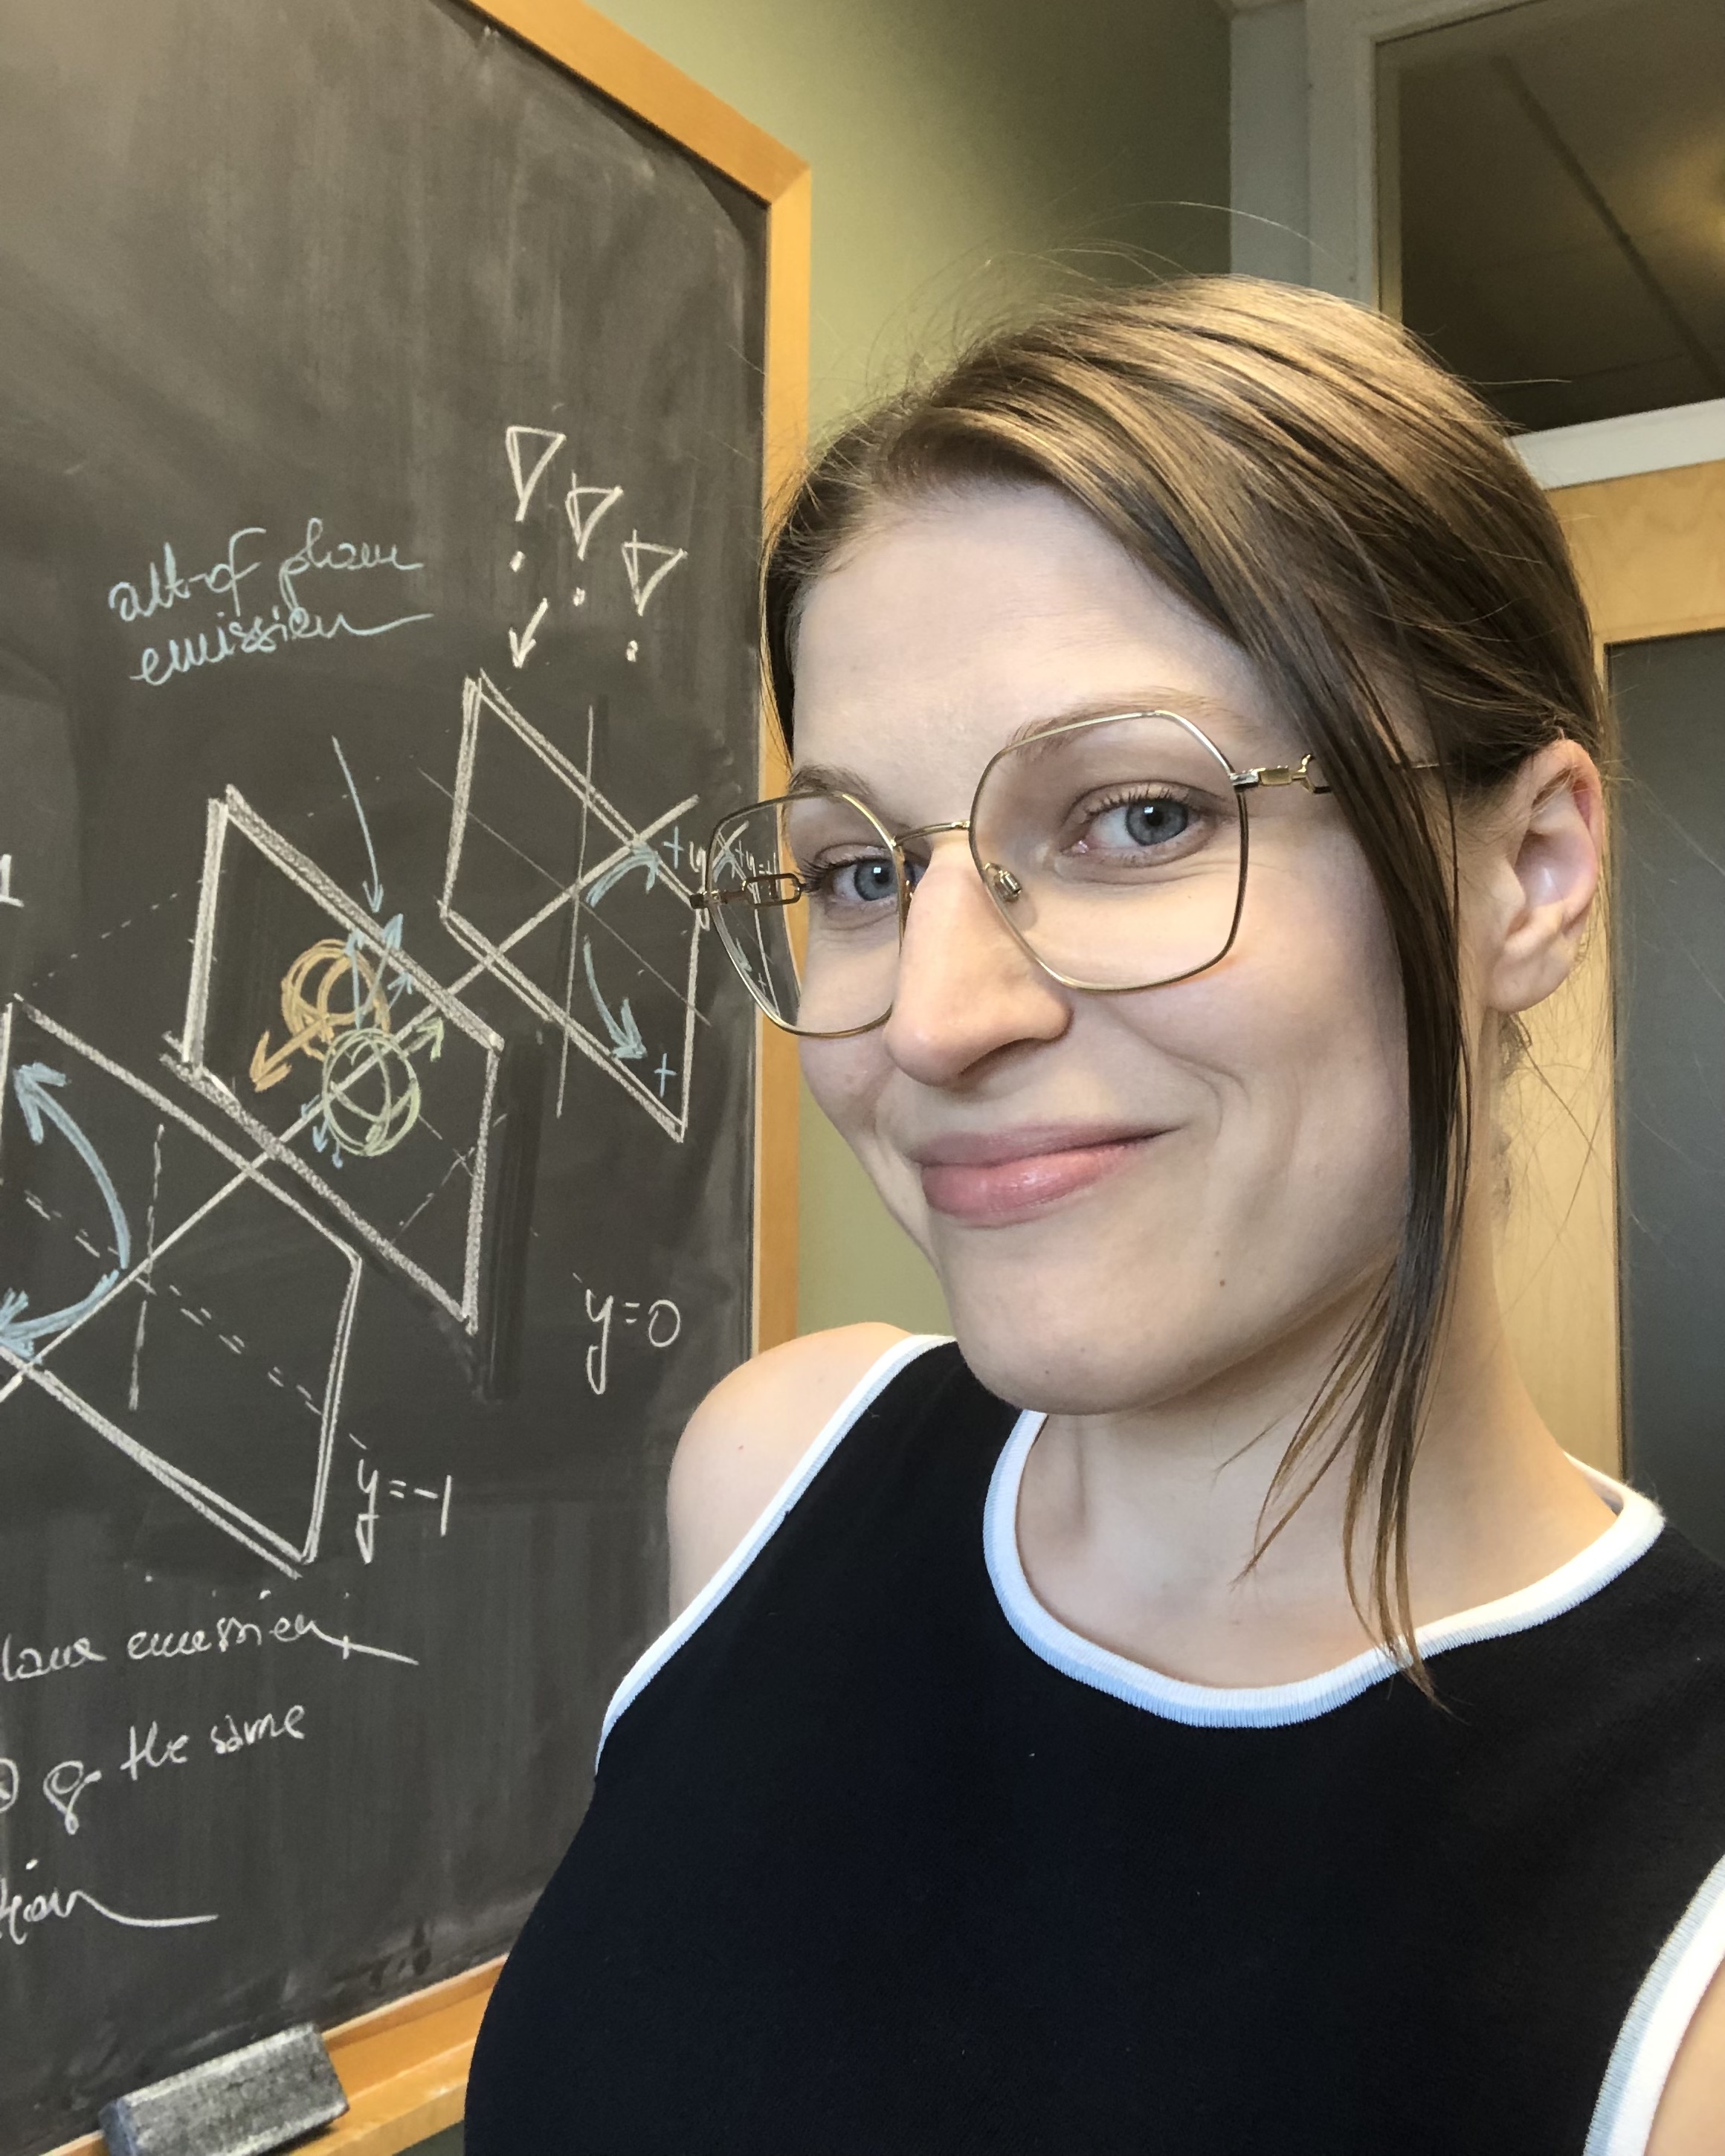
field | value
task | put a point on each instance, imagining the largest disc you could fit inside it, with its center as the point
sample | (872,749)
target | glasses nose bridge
(931,830)
(984,873)
(1000,885)
(900,840)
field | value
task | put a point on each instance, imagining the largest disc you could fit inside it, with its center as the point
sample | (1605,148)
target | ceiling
(1560,171)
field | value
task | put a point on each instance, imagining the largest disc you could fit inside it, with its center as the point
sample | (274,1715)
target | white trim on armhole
(1647,2044)
(868,1388)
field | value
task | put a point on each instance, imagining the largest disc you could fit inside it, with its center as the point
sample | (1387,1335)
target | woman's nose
(966,988)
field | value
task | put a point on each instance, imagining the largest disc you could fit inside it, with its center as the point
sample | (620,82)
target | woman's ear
(1547,855)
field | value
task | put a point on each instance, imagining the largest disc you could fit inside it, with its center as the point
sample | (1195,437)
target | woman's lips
(1014,1184)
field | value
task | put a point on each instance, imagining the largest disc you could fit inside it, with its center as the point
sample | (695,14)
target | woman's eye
(864,882)
(1129,825)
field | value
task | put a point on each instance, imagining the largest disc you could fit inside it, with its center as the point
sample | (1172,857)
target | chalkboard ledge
(404,2068)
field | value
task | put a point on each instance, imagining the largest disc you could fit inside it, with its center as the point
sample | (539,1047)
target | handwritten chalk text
(228,1735)
(22,1912)
(18,1666)
(242,629)
(230,1632)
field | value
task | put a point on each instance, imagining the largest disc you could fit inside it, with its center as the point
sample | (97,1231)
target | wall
(964,151)
(1270,161)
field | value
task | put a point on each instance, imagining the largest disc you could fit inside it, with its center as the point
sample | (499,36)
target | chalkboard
(1671,1049)
(383,442)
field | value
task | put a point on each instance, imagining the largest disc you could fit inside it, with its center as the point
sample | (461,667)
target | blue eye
(1154,823)
(873,880)
(869,882)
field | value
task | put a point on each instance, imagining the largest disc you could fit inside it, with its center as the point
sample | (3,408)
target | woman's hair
(1347,514)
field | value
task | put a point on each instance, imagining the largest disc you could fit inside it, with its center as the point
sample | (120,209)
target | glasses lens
(1113,848)
(805,896)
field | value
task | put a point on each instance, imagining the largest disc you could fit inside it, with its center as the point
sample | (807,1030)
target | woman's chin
(1075,1362)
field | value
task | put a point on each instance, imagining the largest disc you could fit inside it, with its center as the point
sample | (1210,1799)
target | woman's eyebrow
(1185,704)
(829,778)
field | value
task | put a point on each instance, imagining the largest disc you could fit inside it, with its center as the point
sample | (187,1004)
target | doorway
(1650,549)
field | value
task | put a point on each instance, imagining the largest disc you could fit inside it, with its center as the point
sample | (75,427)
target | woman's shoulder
(746,1438)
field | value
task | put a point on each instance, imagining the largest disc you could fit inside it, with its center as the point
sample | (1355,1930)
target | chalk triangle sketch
(525,482)
(583,519)
(636,550)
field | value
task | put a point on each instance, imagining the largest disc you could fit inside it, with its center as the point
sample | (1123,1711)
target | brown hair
(1305,477)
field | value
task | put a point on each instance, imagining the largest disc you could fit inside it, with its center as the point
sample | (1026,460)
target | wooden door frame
(1650,551)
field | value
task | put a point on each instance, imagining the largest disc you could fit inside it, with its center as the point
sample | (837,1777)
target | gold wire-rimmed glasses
(1114,849)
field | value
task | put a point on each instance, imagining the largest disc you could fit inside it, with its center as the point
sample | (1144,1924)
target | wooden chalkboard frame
(404,2067)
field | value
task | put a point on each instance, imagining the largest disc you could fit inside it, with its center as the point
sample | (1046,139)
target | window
(1551,202)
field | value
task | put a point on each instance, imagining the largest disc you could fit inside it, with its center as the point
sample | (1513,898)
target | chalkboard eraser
(242,2104)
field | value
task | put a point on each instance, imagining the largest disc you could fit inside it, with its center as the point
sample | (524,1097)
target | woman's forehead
(957,627)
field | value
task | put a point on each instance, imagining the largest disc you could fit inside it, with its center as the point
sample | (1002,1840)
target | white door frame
(1341,38)
(1305,160)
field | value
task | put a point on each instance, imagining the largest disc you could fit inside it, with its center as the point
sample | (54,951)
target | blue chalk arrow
(18,1334)
(640,856)
(627,1045)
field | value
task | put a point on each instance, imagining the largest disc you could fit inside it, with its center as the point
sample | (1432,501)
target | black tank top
(883,1859)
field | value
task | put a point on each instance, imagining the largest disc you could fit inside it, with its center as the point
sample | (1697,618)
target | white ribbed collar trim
(1272,1707)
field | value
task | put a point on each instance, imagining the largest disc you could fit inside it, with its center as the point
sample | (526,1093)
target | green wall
(964,151)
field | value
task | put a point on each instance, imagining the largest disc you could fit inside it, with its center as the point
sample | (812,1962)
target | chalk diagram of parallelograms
(172,1266)
(555,892)
(311,1027)
(353,1073)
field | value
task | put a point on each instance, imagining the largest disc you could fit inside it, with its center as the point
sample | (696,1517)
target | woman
(1203,1710)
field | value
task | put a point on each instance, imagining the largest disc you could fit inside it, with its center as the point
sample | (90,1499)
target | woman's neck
(1137,1529)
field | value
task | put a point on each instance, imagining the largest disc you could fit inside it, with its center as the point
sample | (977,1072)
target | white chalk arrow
(374,889)
(520,646)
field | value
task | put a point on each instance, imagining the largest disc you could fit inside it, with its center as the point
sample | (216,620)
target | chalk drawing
(39,1107)
(519,442)
(376,1095)
(627,1045)
(520,648)
(374,885)
(638,555)
(257,1467)
(584,505)
(618,1044)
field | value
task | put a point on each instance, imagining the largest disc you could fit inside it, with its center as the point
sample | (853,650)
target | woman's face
(1129,1198)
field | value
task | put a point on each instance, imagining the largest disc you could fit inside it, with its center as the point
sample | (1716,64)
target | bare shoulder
(746,1437)
(1691,2119)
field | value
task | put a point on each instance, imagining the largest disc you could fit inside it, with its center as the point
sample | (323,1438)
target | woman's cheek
(837,1073)
(846,1078)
